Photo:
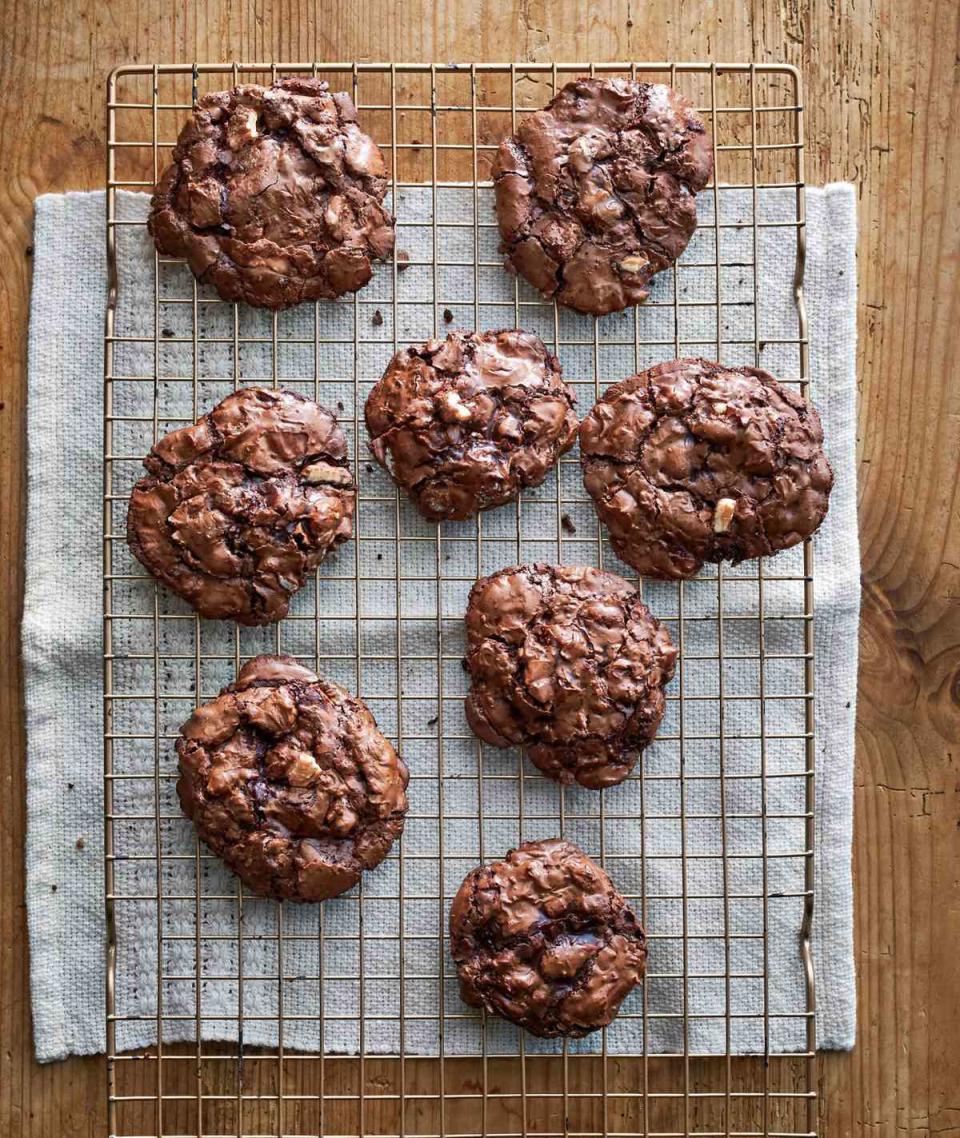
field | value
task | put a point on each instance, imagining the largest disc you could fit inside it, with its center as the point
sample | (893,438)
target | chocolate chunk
(466,423)
(595,193)
(275,195)
(692,461)
(287,778)
(241,507)
(568,662)
(544,940)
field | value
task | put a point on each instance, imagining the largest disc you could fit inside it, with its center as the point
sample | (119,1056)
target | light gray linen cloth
(63,671)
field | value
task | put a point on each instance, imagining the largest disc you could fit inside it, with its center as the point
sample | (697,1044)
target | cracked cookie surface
(692,461)
(568,662)
(275,195)
(595,193)
(239,508)
(544,940)
(287,778)
(466,423)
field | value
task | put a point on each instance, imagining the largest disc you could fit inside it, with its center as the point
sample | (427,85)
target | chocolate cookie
(287,778)
(544,940)
(692,461)
(466,423)
(568,662)
(239,508)
(595,192)
(275,195)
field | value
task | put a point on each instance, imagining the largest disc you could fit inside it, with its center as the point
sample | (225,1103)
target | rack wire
(232,1015)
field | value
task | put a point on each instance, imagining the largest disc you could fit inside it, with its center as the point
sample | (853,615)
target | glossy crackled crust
(595,193)
(568,662)
(544,940)
(287,778)
(241,507)
(274,195)
(691,462)
(466,423)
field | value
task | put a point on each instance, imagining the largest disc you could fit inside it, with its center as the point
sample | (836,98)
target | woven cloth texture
(738,953)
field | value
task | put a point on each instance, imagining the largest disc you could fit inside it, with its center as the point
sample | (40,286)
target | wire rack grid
(230,1014)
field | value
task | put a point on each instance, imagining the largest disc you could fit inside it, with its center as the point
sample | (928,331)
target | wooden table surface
(883,102)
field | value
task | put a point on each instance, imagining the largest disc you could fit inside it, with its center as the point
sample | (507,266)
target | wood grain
(883,103)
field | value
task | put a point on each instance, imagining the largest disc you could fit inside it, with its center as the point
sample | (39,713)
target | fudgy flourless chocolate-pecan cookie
(466,423)
(567,661)
(287,778)
(544,940)
(692,461)
(275,195)
(595,193)
(239,508)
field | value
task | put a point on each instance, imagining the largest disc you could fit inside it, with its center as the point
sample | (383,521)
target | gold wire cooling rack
(232,1015)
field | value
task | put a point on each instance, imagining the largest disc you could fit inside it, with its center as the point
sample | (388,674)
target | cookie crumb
(434,721)
(567,525)
(80,843)
(447,316)
(403,261)
(377,318)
